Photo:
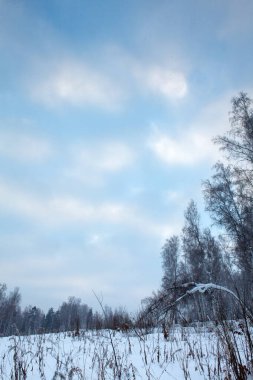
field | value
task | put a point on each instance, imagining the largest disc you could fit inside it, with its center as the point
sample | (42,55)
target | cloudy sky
(107,111)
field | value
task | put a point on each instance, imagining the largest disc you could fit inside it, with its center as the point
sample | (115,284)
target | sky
(107,114)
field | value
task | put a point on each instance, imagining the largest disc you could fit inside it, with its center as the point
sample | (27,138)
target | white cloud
(194,145)
(58,210)
(188,149)
(109,157)
(170,84)
(164,77)
(75,83)
(89,165)
(81,82)
(68,210)
(97,239)
(24,147)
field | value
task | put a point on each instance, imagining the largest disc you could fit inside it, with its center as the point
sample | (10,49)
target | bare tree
(229,193)
(170,262)
(193,245)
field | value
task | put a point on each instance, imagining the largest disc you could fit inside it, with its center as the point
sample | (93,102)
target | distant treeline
(70,316)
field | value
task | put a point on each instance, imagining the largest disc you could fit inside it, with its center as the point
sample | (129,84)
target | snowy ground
(189,353)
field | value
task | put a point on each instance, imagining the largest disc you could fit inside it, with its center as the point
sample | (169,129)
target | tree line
(225,258)
(72,315)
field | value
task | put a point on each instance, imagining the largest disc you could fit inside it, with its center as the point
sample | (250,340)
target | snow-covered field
(188,353)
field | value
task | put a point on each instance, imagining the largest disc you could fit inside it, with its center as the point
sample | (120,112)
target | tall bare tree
(229,193)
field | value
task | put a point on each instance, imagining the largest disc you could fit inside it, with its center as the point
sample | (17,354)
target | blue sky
(107,111)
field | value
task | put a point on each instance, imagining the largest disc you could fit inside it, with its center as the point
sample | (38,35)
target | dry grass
(199,352)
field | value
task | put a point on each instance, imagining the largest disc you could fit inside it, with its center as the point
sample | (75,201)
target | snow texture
(188,353)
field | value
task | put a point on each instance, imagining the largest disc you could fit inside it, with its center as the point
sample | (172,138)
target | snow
(202,288)
(189,353)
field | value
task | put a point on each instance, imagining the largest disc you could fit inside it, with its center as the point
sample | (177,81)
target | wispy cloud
(58,210)
(91,165)
(73,82)
(194,145)
(164,82)
(63,210)
(79,81)
(188,149)
(24,147)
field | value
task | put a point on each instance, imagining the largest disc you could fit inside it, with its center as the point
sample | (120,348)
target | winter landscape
(126,190)
(187,353)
